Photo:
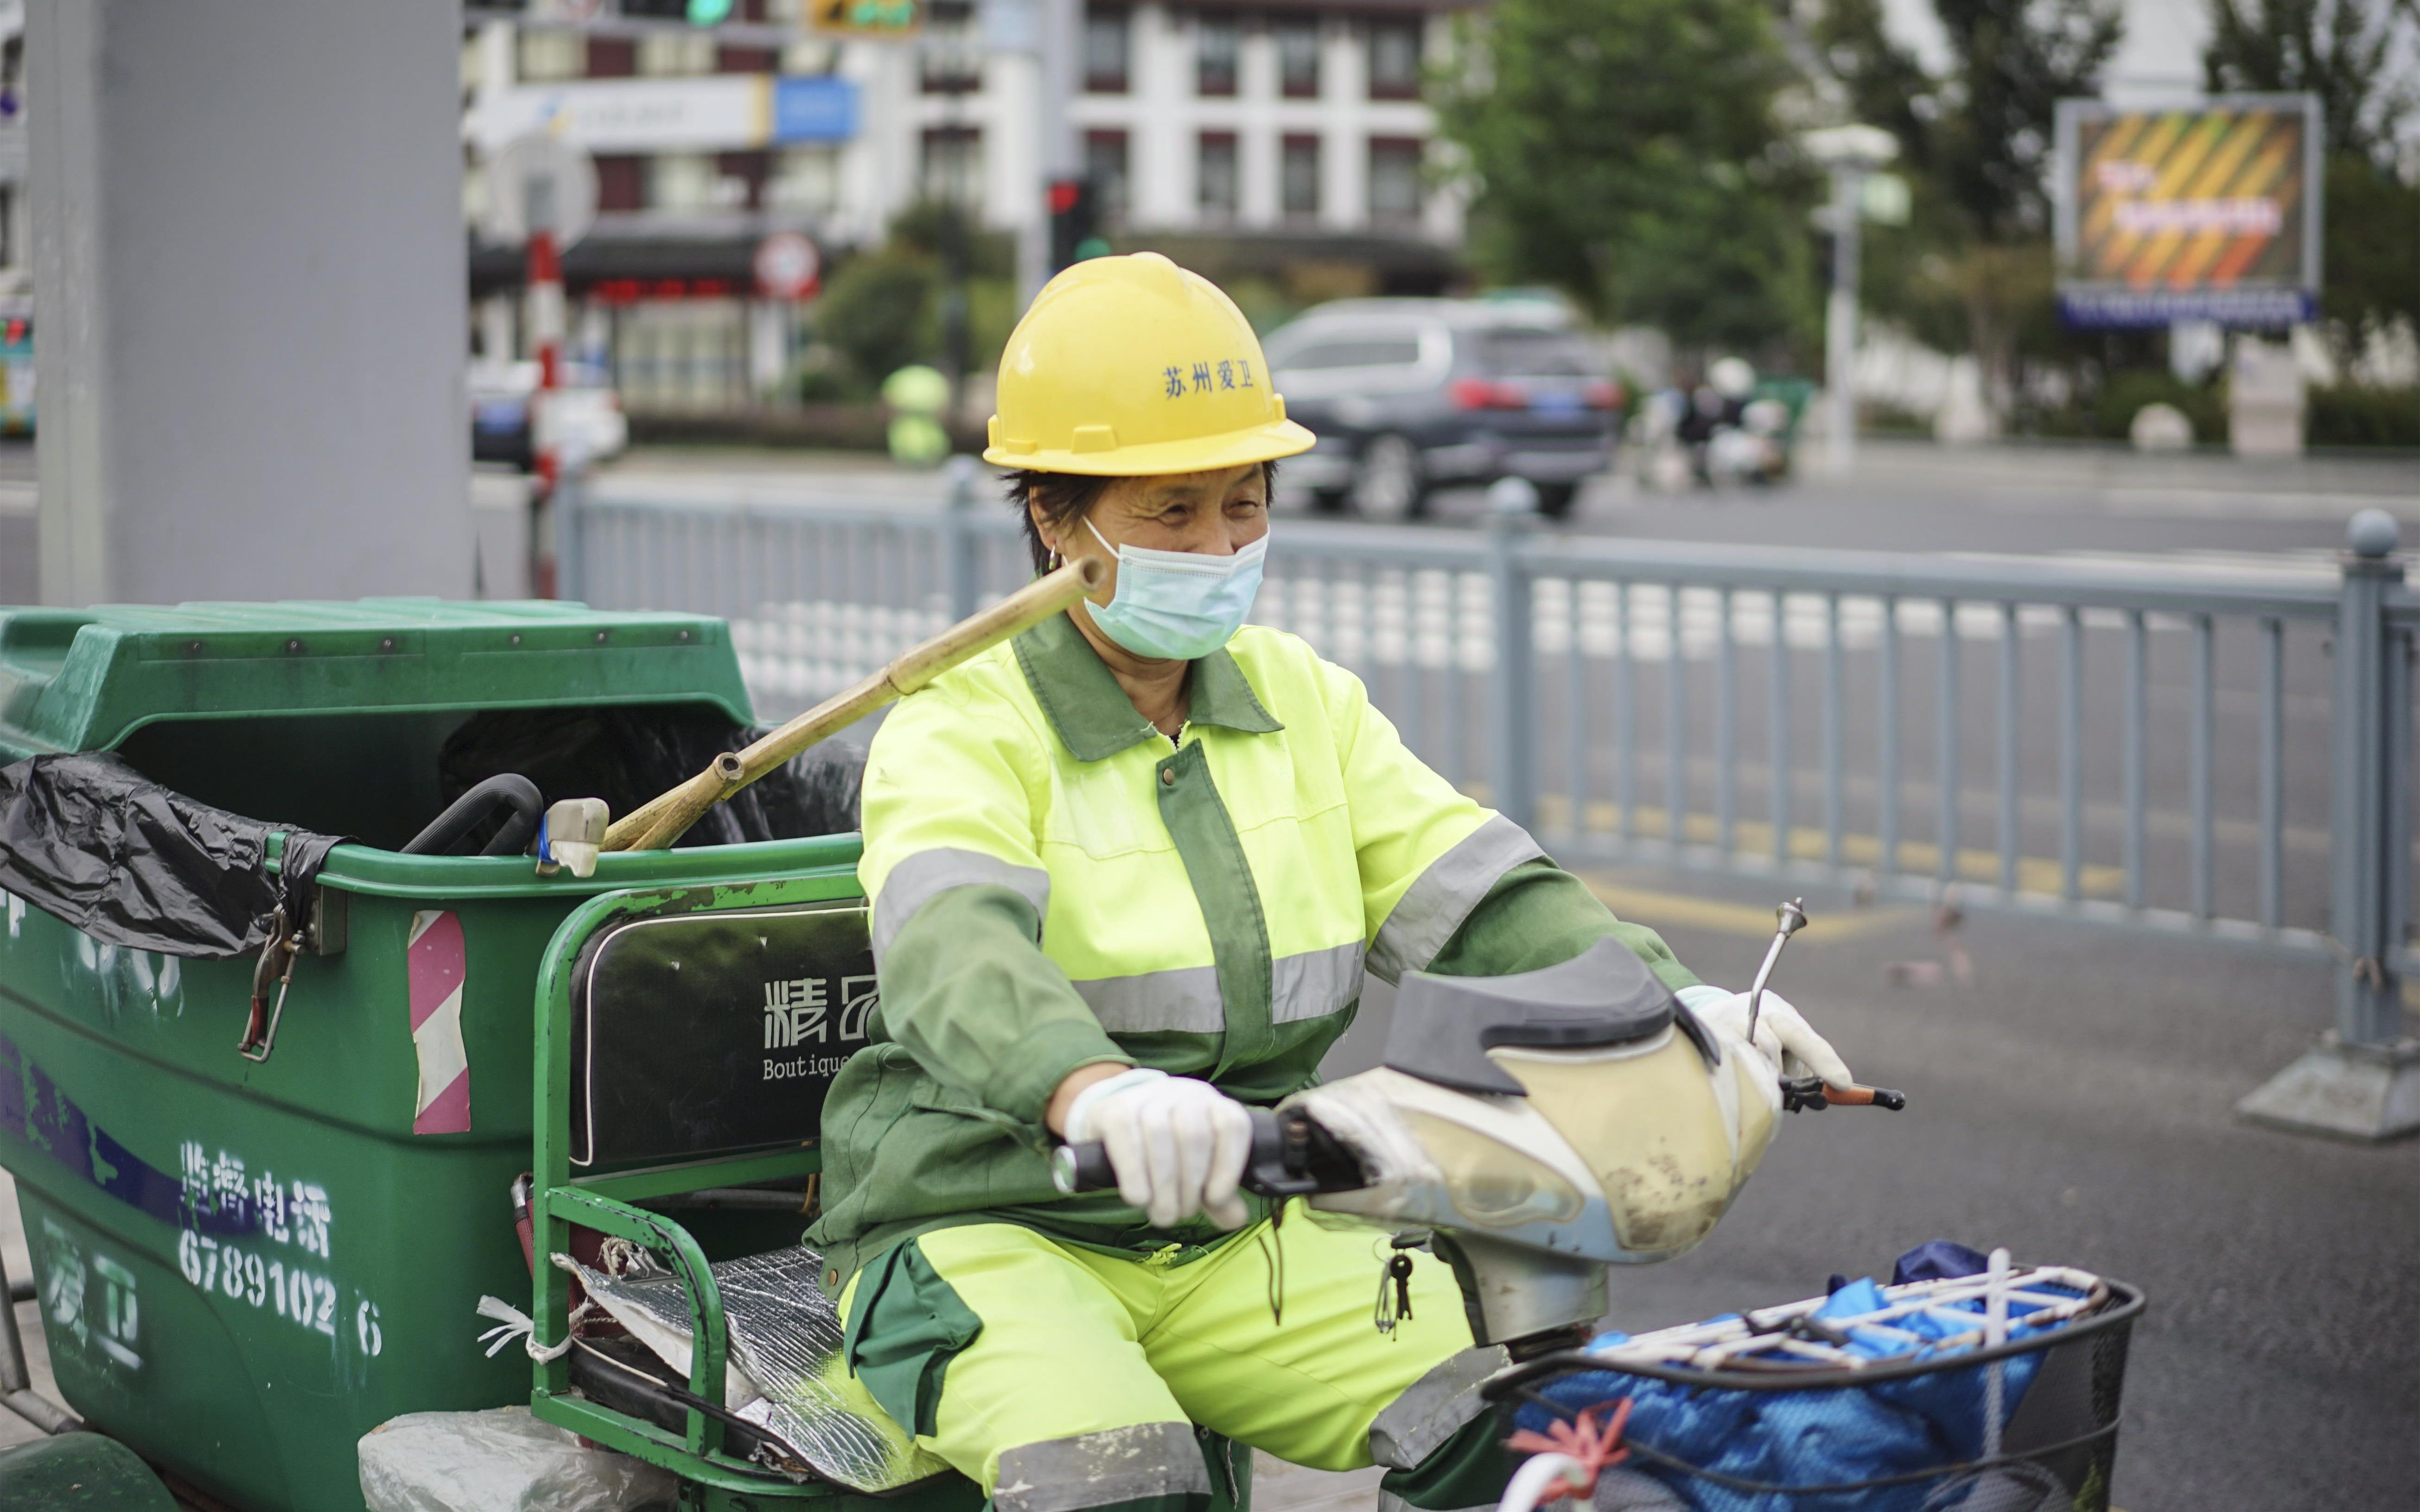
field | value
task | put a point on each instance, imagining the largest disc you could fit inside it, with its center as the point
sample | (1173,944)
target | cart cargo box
(244,1263)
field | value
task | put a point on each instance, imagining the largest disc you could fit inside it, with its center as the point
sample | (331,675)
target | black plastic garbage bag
(89,838)
(629,755)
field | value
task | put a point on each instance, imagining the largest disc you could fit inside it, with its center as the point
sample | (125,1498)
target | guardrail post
(1513,706)
(2362,1079)
(958,539)
(570,536)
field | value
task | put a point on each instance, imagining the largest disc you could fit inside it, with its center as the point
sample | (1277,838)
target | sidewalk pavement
(2072,1101)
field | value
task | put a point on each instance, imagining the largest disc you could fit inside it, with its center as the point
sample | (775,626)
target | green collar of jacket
(1093,717)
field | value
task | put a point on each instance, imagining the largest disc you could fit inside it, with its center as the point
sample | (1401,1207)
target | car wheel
(1390,482)
(1555,499)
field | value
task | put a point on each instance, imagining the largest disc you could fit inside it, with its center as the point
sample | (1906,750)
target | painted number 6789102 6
(295,1294)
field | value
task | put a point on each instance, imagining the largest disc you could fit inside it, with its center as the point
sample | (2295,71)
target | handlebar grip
(1856,1096)
(1083,1167)
(1282,1162)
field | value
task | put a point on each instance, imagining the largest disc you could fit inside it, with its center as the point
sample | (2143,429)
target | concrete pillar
(248,270)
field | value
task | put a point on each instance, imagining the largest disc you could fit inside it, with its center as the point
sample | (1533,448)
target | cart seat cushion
(709,1033)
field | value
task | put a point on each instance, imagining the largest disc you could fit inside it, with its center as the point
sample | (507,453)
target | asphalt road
(1903,497)
(2073,1101)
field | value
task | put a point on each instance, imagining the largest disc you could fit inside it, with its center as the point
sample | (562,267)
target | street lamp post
(1850,153)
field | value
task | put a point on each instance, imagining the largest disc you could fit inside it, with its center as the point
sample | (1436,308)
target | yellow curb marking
(1658,908)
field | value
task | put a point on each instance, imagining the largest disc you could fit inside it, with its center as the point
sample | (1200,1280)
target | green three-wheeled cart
(248,1258)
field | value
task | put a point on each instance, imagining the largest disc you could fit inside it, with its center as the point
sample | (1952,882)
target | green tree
(1972,270)
(2015,60)
(1627,152)
(2339,50)
(879,311)
(893,304)
(2343,53)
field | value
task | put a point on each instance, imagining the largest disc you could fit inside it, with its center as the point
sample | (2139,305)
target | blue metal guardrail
(2137,743)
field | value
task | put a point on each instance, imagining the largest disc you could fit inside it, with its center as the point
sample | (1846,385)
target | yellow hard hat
(1133,368)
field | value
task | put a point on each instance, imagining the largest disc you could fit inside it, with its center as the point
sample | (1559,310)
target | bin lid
(84,679)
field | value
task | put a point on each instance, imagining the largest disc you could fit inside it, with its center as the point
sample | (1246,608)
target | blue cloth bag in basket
(1825,1435)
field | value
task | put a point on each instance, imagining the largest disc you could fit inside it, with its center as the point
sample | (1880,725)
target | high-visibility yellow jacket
(1055,884)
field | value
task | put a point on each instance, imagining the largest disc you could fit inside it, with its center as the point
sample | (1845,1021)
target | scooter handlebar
(1083,1167)
(1291,1157)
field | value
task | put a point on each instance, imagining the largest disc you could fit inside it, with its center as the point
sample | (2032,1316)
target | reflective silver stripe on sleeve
(928,875)
(1434,1408)
(1443,896)
(1101,1468)
(1314,983)
(1185,999)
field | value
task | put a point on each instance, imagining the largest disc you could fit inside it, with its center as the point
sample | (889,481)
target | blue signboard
(819,107)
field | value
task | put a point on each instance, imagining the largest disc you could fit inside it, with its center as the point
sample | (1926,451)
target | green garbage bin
(244,1267)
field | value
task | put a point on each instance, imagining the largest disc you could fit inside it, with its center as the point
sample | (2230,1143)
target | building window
(681,181)
(546,52)
(1395,59)
(1395,181)
(613,57)
(951,169)
(950,54)
(1298,179)
(1106,33)
(1214,56)
(1105,166)
(747,59)
(810,54)
(805,180)
(1213,176)
(1297,58)
(621,181)
(674,55)
(740,183)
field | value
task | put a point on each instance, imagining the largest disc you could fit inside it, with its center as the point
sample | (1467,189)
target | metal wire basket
(1788,1398)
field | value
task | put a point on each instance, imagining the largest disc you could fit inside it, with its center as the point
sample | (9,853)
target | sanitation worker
(1128,873)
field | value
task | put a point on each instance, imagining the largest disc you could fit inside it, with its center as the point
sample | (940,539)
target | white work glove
(1783,1038)
(1178,1145)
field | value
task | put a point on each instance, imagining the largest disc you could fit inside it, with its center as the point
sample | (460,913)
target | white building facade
(1296,119)
(1247,136)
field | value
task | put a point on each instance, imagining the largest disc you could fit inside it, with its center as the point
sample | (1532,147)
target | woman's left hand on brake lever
(1783,1036)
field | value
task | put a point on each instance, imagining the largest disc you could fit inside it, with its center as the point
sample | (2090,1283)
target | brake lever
(1809,1094)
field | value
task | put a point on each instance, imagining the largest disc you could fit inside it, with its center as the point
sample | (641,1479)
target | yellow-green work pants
(1065,1377)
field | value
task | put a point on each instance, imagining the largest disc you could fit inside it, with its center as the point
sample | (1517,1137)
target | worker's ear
(1043,529)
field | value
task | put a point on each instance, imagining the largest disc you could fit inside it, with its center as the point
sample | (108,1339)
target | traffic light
(868,18)
(1075,220)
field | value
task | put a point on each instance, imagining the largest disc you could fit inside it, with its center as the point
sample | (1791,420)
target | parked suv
(1407,395)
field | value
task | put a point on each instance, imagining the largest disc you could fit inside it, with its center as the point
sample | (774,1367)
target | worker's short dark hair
(1067,496)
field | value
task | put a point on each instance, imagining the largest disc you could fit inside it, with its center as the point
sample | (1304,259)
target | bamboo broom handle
(666,818)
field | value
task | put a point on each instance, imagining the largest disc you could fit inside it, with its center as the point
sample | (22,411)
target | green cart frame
(608,1202)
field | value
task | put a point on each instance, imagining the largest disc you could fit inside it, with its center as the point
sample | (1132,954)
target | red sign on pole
(787,266)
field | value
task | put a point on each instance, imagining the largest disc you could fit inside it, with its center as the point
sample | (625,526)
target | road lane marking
(1659,908)
(1753,836)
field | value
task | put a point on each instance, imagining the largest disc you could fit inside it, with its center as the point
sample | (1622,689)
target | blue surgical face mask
(1179,605)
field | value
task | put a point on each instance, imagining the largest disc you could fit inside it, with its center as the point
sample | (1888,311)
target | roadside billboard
(2207,210)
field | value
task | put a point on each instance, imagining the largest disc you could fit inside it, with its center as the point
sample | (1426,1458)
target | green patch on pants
(906,1326)
(1468,1469)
